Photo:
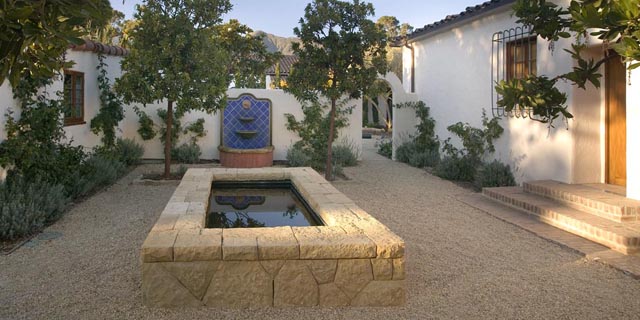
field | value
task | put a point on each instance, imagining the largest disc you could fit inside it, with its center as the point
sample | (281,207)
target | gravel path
(461,262)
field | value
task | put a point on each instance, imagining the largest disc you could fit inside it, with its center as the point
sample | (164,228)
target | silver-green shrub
(494,174)
(296,157)
(26,207)
(187,153)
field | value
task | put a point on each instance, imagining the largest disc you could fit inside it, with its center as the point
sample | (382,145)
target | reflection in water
(232,220)
(255,208)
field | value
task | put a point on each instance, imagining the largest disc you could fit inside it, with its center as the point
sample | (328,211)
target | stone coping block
(372,256)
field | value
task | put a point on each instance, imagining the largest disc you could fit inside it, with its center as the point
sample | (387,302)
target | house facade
(453,65)
(81,86)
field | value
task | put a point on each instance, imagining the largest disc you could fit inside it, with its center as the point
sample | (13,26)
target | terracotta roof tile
(97,47)
(286,63)
(468,13)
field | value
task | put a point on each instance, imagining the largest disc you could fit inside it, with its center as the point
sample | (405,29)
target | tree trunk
(332,123)
(167,141)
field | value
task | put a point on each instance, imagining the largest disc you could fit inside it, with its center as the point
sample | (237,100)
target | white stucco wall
(282,103)
(81,134)
(453,76)
(404,120)
(633,133)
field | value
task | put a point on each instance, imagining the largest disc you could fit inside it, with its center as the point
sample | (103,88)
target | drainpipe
(405,43)
(413,66)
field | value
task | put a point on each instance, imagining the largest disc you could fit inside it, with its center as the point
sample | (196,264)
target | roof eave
(445,26)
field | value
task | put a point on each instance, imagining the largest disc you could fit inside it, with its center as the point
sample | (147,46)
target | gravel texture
(461,263)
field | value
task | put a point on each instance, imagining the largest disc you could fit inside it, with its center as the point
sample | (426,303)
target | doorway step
(595,212)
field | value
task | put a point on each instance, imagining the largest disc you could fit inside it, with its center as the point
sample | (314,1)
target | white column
(633,136)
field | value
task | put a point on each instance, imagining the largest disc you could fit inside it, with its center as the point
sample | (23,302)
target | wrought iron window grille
(513,55)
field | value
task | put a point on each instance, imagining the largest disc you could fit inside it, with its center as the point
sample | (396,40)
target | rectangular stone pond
(345,258)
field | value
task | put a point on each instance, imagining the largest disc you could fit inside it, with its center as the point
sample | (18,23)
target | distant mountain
(277,44)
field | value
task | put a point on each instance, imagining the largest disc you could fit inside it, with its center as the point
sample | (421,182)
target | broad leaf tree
(249,56)
(34,35)
(175,56)
(341,54)
(615,22)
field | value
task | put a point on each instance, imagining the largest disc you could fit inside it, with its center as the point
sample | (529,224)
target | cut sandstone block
(166,222)
(295,286)
(331,296)
(194,276)
(161,289)
(332,243)
(176,208)
(198,245)
(277,244)
(398,269)
(323,270)
(382,269)
(353,275)
(158,247)
(240,284)
(272,267)
(239,244)
(189,221)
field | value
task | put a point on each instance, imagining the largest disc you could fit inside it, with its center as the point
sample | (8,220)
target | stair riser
(622,244)
(614,213)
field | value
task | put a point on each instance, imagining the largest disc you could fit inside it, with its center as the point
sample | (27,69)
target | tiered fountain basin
(246,133)
(246,158)
(350,260)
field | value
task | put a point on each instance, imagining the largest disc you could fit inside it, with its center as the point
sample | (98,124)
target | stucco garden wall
(453,76)
(86,62)
(633,132)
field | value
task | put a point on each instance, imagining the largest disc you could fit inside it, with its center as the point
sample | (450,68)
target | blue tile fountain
(246,133)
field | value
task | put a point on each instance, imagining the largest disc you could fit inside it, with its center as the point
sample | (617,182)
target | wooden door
(616,96)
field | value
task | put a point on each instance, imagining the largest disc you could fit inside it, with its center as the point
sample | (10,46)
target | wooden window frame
(529,60)
(71,121)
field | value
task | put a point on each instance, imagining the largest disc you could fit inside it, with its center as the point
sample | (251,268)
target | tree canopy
(249,56)
(177,56)
(341,54)
(34,35)
(615,22)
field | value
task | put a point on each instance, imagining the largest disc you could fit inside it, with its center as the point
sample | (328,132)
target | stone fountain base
(246,158)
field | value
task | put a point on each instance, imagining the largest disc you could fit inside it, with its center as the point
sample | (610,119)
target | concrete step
(588,198)
(620,236)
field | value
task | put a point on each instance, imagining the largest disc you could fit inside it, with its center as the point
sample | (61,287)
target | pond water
(257,205)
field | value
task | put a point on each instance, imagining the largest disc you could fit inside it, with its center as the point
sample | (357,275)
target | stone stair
(603,217)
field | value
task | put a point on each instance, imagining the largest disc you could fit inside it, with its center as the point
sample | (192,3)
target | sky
(279,17)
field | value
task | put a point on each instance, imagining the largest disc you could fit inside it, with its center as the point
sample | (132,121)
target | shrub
(296,157)
(96,172)
(456,168)
(26,207)
(345,154)
(313,131)
(494,174)
(126,151)
(422,159)
(147,128)
(385,149)
(476,142)
(187,153)
(405,150)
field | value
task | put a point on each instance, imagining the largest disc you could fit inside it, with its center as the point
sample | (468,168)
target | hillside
(277,44)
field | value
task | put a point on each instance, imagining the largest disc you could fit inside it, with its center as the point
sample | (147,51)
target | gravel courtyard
(461,263)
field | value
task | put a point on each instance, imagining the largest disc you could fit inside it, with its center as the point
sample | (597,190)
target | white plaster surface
(633,133)
(453,77)
(86,62)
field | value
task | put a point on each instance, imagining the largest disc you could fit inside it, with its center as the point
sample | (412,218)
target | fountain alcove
(246,133)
